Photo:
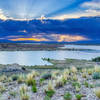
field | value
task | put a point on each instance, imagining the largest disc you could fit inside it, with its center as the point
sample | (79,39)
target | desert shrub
(3,78)
(96,75)
(21,78)
(50,93)
(41,81)
(91,86)
(60,81)
(74,70)
(9,79)
(34,73)
(84,70)
(15,77)
(65,75)
(47,76)
(77,88)
(13,93)
(30,80)
(76,84)
(23,89)
(86,84)
(74,77)
(97,92)
(2,88)
(34,88)
(55,74)
(50,89)
(23,93)
(97,59)
(66,71)
(47,98)
(84,75)
(78,96)
(25,97)
(90,71)
(97,68)
(67,96)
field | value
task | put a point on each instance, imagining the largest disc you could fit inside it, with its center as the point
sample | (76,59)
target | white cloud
(91,5)
(91,9)
(2,16)
(78,14)
(5,17)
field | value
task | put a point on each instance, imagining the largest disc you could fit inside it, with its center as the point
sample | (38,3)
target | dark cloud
(88,27)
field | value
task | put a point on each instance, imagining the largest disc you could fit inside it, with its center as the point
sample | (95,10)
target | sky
(53,20)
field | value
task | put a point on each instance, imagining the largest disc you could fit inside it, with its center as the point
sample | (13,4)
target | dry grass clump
(2,88)
(49,91)
(90,71)
(73,69)
(97,92)
(21,78)
(97,68)
(23,92)
(3,78)
(30,79)
(34,73)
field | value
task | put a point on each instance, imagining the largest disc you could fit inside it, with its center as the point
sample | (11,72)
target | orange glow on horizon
(29,39)
(52,37)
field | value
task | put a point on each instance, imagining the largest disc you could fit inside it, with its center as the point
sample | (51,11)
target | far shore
(37,47)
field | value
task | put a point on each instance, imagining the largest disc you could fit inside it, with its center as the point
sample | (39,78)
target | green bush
(2,88)
(49,93)
(67,96)
(86,84)
(15,77)
(96,75)
(41,81)
(46,76)
(97,59)
(13,93)
(30,80)
(34,88)
(76,84)
(47,98)
(78,96)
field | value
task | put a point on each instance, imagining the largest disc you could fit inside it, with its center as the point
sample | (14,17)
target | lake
(34,57)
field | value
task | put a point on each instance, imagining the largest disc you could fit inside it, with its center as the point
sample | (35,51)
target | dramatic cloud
(67,38)
(48,30)
(52,37)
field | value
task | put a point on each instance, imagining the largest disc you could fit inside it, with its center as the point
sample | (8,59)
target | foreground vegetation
(68,84)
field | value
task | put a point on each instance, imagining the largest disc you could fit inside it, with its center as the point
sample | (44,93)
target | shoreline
(37,47)
(56,64)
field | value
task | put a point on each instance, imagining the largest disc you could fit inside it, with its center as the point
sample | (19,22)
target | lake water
(34,57)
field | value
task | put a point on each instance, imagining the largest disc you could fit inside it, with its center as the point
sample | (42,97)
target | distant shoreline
(38,47)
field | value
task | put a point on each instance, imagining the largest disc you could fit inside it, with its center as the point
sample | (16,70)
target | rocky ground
(10,84)
(87,91)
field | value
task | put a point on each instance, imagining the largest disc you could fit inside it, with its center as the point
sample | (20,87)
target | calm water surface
(34,57)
